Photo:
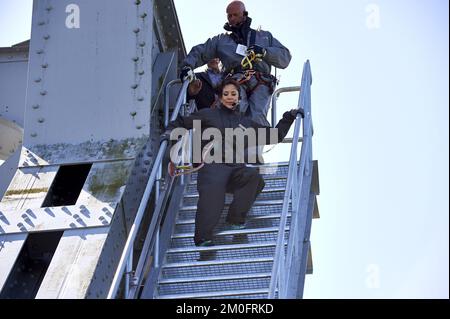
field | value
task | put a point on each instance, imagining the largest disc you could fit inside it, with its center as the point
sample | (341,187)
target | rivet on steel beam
(44,66)
(41,120)
(33,134)
(35,106)
(144,15)
(37,80)
(134,86)
(49,8)
(136,30)
(43,93)
(41,22)
(39,51)
(137,2)
(133,113)
(141,72)
(135,59)
(142,44)
(138,127)
(140,99)
(46,37)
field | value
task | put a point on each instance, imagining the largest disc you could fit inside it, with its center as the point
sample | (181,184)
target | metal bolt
(142,44)
(44,66)
(133,113)
(41,120)
(138,127)
(43,93)
(134,86)
(49,8)
(140,99)
(144,15)
(137,2)
(35,106)
(46,37)
(136,30)
(141,72)
(41,22)
(135,59)
(39,51)
(37,80)
(33,134)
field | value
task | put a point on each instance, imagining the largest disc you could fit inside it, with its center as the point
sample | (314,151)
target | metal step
(222,225)
(217,267)
(269,208)
(220,294)
(238,249)
(215,262)
(219,248)
(244,231)
(221,252)
(269,194)
(214,286)
(267,170)
(229,239)
(213,278)
(265,190)
(270,180)
(256,204)
(271,216)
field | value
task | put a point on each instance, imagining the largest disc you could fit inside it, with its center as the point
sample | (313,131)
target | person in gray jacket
(257,84)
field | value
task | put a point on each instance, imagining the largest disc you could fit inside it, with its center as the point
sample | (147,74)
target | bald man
(231,48)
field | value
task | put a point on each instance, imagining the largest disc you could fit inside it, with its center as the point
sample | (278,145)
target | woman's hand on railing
(296,111)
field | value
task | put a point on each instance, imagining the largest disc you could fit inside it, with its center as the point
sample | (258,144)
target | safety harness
(246,70)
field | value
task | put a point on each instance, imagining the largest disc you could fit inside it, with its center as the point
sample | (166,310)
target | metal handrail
(275,96)
(280,276)
(126,258)
(167,99)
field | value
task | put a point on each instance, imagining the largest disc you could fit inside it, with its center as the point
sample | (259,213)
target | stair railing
(295,186)
(125,266)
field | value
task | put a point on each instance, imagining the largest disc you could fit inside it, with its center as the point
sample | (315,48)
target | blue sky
(380,107)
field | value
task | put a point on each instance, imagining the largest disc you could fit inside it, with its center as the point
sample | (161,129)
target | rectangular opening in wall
(67,185)
(31,265)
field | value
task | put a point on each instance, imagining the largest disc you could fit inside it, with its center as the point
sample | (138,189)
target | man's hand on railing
(187,74)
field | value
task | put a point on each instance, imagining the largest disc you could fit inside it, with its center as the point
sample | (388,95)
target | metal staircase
(239,264)
(267,259)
